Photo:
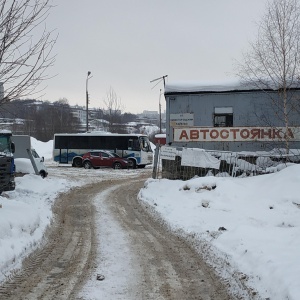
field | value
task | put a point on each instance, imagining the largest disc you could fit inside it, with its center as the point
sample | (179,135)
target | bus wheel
(132,163)
(117,165)
(87,165)
(77,163)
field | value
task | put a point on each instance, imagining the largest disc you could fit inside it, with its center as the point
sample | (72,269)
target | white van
(23,150)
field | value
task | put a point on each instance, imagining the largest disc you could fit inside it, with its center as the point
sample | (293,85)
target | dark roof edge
(225,92)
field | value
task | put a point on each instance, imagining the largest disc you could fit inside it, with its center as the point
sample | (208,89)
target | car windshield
(115,154)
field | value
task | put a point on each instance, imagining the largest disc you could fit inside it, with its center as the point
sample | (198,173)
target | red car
(98,159)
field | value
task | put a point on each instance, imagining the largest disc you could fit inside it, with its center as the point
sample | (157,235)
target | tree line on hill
(42,119)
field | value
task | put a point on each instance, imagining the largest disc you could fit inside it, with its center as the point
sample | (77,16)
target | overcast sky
(127,43)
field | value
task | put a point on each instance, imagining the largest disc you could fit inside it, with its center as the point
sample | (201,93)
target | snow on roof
(228,85)
(5,131)
(207,86)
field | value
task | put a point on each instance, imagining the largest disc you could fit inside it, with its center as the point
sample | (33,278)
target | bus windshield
(145,144)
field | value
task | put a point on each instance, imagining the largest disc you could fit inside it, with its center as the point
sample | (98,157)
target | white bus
(67,148)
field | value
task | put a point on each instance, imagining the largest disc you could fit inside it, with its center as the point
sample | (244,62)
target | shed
(230,116)
(160,138)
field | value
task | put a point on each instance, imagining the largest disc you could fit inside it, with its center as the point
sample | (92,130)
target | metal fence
(235,164)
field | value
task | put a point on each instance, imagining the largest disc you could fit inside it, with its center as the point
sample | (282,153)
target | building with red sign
(230,116)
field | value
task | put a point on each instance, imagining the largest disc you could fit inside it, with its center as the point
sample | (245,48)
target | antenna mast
(162,77)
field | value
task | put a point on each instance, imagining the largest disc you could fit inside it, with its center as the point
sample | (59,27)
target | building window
(223,117)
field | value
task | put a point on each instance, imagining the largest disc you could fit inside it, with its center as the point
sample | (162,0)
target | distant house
(79,112)
(150,114)
(148,117)
(228,116)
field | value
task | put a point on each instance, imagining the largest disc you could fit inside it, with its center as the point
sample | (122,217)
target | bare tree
(273,61)
(51,118)
(25,47)
(113,110)
(41,119)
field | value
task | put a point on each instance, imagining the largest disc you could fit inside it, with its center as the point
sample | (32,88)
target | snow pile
(42,149)
(149,129)
(24,215)
(260,218)
(24,165)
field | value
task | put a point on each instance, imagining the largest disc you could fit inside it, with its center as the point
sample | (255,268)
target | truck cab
(24,150)
(7,166)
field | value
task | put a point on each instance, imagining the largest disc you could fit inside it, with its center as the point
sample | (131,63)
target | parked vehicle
(7,166)
(100,159)
(24,150)
(69,148)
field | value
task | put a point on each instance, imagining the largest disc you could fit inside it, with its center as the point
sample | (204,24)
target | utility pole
(159,112)
(163,78)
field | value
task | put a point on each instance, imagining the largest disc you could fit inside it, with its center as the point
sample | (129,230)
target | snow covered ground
(252,222)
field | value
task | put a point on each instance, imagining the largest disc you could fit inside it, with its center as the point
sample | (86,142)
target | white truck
(23,149)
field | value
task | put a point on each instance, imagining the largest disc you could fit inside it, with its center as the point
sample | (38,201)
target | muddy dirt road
(166,266)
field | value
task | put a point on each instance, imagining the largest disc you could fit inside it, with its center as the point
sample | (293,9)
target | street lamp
(87,101)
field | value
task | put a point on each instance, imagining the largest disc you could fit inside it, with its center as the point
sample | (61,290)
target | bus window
(133,144)
(136,145)
(61,142)
(130,144)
